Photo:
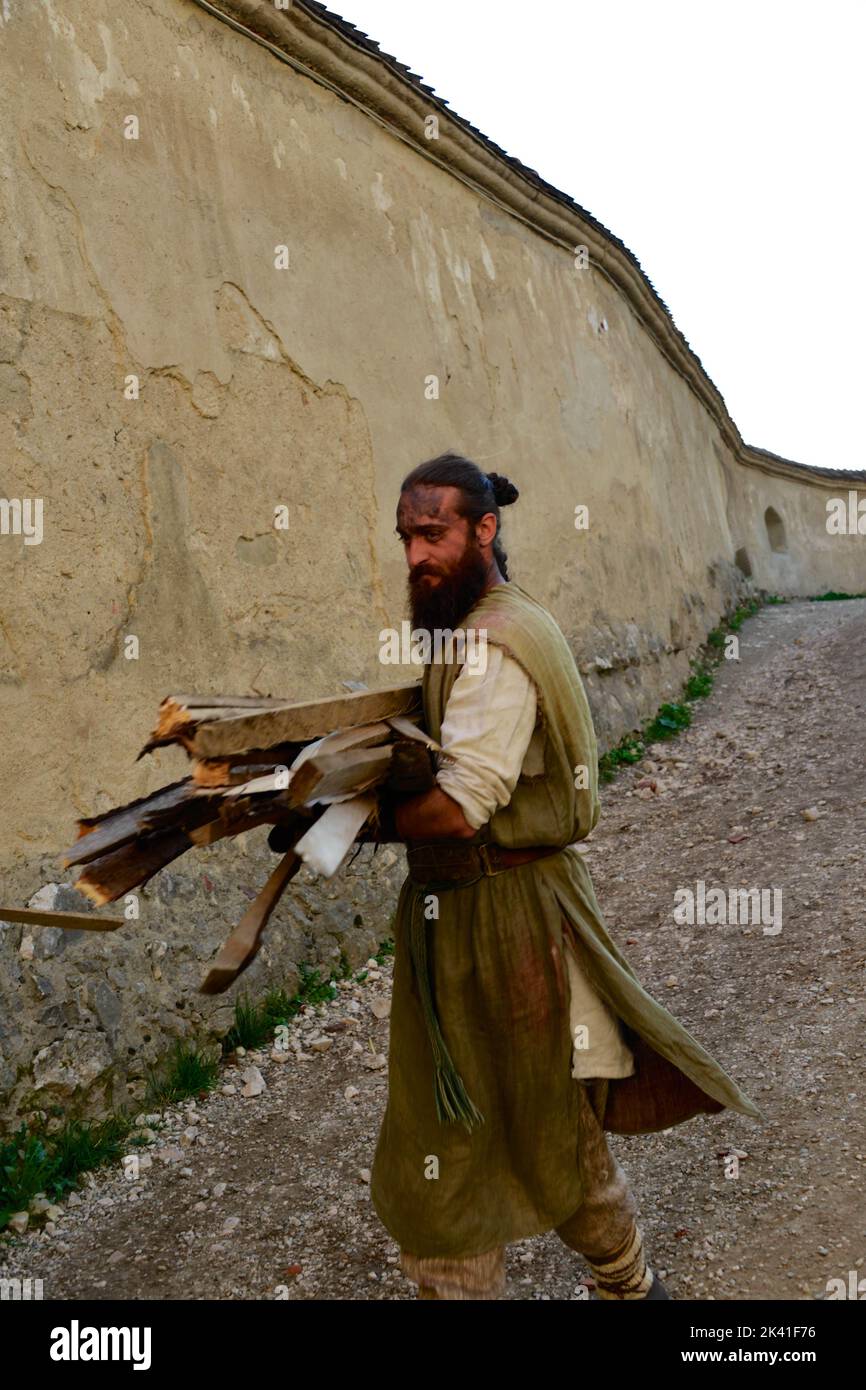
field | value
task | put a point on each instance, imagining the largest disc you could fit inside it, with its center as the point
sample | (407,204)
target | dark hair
(481,492)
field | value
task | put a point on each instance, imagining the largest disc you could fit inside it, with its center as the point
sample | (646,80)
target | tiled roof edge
(330,50)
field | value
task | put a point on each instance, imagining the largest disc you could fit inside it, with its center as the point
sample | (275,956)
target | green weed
(833,597)
(185,1071)
(33,1161)
(254,1024)
(669,721)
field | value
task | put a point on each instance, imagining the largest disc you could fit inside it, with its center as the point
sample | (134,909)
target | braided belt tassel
(452,1101)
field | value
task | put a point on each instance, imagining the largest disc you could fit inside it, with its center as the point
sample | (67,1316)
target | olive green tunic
(501,995)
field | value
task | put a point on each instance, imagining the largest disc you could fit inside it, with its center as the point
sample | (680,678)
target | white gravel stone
(254,1082)
(172,1153)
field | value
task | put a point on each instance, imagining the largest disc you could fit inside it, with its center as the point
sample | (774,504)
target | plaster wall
(306,387)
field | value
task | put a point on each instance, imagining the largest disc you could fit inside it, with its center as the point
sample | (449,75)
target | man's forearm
(433,815)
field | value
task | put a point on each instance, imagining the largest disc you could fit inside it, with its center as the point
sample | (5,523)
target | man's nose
(417,551)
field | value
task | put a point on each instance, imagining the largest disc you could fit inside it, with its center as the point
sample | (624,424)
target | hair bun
(504,491)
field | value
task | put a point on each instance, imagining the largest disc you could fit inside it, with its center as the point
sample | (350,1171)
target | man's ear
(485,529)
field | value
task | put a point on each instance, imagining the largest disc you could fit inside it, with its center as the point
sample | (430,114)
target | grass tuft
(254,1024)
(187,1070)
(833,597)
(668,722)
(33,1161)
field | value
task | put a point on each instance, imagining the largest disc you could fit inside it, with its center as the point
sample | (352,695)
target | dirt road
(267,1196)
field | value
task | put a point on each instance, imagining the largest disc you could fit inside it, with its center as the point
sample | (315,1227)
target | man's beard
(445,604)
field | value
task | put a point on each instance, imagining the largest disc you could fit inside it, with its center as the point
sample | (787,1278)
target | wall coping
(332,52)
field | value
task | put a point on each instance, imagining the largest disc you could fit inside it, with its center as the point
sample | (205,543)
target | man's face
(447,569)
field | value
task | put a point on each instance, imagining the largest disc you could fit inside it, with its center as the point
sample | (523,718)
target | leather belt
(455,862)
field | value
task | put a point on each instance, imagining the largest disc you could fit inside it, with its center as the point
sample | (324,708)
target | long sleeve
(487,729)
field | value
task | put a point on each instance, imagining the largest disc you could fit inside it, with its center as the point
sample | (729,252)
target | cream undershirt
(491,731)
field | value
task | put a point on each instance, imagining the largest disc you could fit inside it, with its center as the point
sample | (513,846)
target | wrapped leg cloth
(602,1229)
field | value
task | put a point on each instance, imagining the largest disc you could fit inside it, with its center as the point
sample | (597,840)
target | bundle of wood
(312,769)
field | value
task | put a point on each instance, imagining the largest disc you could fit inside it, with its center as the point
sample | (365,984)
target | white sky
(721,141)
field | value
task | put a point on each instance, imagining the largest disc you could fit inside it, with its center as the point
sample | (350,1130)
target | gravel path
(267,1196)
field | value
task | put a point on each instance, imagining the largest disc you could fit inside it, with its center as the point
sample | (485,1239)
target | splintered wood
(310,768)
(225,726)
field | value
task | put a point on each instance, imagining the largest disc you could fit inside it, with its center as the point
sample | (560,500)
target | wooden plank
(326,844)
(339,774)
(234,771)
(212,714)
(108,878)
(243,945)
(218,774)
(361,736)
(99,834)
(234,819)
(196,702)
(179,714)
(356,736)
(69,921)
(202,805)
(299,723)
(87,823)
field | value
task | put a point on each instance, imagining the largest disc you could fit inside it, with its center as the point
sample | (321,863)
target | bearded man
(519,1033)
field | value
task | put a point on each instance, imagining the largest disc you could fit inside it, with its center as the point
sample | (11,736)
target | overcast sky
(722,142)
